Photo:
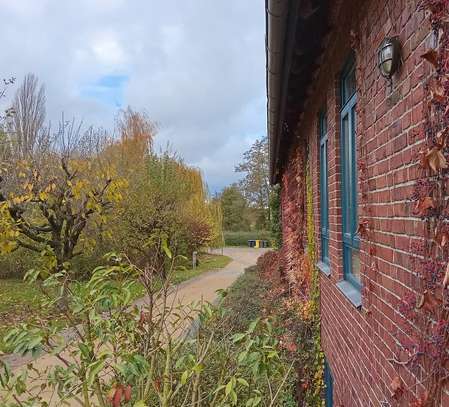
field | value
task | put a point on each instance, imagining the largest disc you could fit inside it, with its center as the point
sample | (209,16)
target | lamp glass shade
(387,52)
(386,67)
(388,57)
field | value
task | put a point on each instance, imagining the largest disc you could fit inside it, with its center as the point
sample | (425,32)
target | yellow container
(257,244)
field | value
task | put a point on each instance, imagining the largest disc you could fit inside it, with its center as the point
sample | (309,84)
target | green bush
(16,264)
(241,238)
(141,356)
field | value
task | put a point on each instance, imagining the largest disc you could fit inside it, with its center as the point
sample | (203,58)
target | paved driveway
(206,284)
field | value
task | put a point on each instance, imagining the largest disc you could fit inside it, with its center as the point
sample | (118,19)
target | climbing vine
(275,216)
(317,357)
(424,334)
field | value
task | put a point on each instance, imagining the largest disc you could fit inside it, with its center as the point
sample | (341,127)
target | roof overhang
(294,33)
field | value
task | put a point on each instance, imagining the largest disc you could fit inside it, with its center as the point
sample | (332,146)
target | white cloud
(196,66)
(108,52)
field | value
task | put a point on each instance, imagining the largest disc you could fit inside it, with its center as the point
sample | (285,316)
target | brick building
(331,109)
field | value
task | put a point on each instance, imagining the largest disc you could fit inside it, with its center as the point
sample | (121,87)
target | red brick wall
(357,343)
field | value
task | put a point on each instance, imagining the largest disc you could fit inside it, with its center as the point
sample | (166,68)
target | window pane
(351,258)
(354,205)
(355,264)
(324,250)
(349,86)
(326,187)
(324,196)
(347,198)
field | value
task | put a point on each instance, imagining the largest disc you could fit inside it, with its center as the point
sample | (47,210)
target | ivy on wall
(275,216)
(424,333)
(314,395)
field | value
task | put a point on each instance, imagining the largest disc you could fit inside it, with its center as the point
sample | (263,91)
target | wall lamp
(389,57)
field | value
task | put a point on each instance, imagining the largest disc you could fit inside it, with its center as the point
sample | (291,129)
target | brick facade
(358,342)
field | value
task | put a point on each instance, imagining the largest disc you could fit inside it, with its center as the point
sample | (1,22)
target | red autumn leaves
(118,394)
(423,206)
(434,160)
(446,277)
(431,56)
(396,387)
(428,301)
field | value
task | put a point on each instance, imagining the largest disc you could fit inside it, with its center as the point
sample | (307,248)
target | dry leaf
(437,92)
(423,205)
(423,161)
(428,301)
(431,56)
(446,277)
(420,302)
(441,137)
(441,237)
(362,229)
(444,239)
(421,401)
(436,159)
(396,387)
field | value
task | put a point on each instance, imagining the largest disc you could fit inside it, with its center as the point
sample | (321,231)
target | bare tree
(5,145)
(27,127)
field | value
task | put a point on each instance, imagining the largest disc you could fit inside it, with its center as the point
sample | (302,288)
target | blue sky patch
(108,90)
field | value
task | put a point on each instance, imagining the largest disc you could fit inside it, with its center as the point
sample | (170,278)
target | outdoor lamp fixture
(389,57)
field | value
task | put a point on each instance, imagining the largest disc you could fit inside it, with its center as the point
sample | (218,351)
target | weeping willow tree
(166,203)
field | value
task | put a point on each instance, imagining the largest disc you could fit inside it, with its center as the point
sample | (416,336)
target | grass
(21,302)
(206,262)
(18,301)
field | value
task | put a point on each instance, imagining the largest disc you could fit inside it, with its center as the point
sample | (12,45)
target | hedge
(241,238)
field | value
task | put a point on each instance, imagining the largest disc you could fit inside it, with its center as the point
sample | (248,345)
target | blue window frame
(324,189)
(329,386)
(348,123)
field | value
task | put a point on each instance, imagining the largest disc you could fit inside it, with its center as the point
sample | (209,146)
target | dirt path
(202,287)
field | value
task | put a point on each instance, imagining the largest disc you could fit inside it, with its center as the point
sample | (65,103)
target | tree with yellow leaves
(47,202)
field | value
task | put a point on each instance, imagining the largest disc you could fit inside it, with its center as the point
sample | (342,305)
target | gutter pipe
(276,24)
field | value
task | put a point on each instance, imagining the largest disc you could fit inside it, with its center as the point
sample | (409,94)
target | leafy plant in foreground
(122,354)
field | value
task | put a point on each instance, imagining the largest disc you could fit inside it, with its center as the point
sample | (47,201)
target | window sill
(351,293)
(324,268)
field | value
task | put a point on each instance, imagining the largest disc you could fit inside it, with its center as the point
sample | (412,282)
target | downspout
(276,24)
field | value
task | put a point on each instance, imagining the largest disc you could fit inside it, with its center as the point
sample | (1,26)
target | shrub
(129,356)
(16,264)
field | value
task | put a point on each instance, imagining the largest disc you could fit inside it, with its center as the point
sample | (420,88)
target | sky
(197,67)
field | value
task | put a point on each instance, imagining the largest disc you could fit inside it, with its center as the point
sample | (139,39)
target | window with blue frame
(324,189)
(351,241)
